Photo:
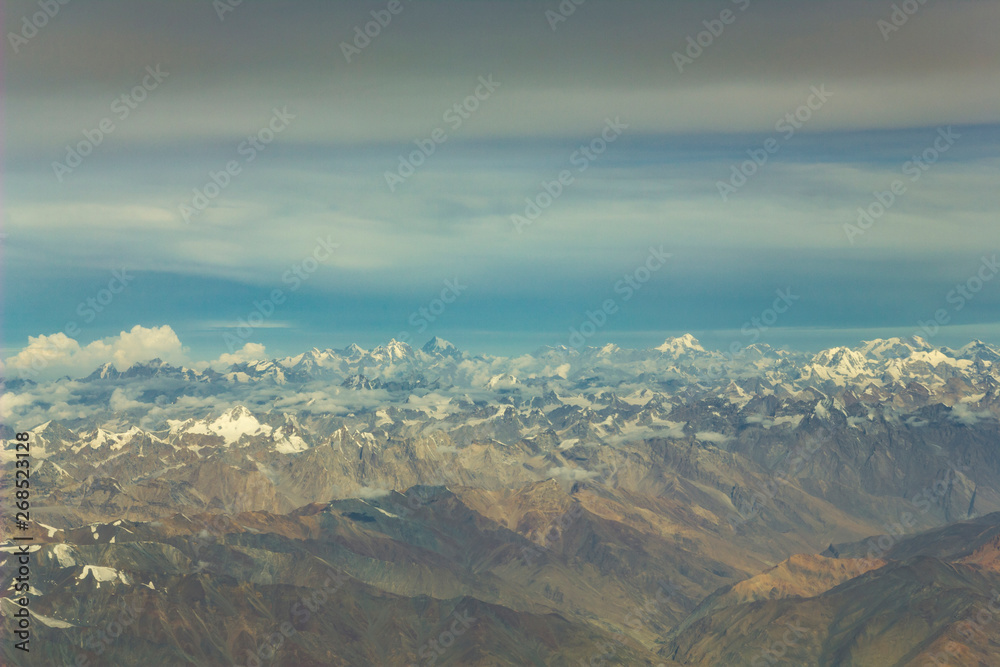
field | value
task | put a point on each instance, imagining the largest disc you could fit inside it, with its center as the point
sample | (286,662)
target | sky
(192,177)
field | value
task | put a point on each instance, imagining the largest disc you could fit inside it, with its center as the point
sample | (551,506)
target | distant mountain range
(882,362)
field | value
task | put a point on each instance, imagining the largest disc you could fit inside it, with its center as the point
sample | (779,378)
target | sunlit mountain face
(476,334)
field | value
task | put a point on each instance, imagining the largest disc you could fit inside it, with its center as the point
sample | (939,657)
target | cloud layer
(47,357)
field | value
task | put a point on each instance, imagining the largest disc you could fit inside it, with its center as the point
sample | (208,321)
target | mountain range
(400,506)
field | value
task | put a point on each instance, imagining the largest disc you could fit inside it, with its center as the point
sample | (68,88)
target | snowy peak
(239,412)
(105,372)
(309,361)
(680,345)
(52,432)
(353,352)
(844,360)
(439,346)
(892,348)
(757,351)
(391,352)
(139,370)
(360,381)
(256,370)
(99,438)
(230,426)
(977,349)
(288,438)
(838,364)
(151,369)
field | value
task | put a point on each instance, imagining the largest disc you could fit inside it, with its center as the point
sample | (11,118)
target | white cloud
(124,399)
(571,474)
(963,414)
(712,436)
(368,492)
(48,357)
(52,401)
(249,352)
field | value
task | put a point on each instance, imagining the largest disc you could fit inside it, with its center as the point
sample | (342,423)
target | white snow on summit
(231,426)
(680,345)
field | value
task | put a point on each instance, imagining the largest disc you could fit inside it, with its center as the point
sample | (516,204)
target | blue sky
(343,125)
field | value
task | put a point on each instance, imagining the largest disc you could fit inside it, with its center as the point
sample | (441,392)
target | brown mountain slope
(859,611)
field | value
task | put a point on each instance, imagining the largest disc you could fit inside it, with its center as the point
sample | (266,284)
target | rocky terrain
(401,506)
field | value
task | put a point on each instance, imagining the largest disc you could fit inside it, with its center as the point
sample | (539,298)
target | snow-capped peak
(977,349)
(105,372)
(681,344)
(892,348)
(438,345)
(392,351)
(231,426)
(838,364)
